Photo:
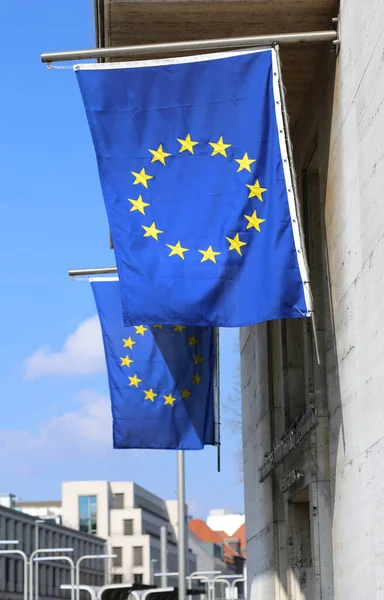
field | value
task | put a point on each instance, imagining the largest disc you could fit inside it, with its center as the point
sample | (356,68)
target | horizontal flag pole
(191,46)
(99,271)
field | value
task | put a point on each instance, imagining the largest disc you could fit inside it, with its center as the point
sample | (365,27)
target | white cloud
(197,510)
(88,426)
(87,430)
(82,354)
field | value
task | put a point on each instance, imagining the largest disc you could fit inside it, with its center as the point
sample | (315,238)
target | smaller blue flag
(160,379)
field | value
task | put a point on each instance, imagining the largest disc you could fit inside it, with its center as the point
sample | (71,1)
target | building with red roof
(215,550)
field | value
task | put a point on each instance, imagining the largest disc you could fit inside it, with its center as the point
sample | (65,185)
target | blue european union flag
(196,180)
(160,379)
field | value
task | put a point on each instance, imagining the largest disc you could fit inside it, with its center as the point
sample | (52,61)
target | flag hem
(91,279)
(282,135)
(155,62)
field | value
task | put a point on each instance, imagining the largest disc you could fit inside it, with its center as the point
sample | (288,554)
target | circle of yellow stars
(134,380)
(219,148)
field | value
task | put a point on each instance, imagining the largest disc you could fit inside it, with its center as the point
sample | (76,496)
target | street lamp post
(68,559)
(153,561)
(25,559)
(234,583)
(106,563)
(223,579)
(77,568)
(31,561)
(196,575)
(203,576)
(37,523)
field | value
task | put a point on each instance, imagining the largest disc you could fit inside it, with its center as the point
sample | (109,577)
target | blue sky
(55,422)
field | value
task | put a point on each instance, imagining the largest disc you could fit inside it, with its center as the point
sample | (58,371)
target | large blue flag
(160,379)
(195,175)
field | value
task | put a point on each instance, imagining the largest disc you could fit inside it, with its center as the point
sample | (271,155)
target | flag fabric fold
(160,379)
(195,175)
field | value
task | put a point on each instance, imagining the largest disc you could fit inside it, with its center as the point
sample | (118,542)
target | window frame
(121,497)
(89,503)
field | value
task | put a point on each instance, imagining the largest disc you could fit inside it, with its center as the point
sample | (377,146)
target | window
(26,539)
(118,561)
(42,536)
(54,583)
(137,556)
(7,572)
(18,576)
(118,501)
(138,578)
(128,526)
(10,535)
(87,514)
(117,578)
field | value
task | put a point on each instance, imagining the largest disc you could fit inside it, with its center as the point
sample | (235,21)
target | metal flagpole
(194,46)
(37,523)
(163,555)
(95,271)
(181,524)
(216,398)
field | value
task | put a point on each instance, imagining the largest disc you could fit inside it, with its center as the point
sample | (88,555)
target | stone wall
(343,116)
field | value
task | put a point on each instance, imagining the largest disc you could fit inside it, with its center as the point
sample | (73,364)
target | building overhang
(131,22)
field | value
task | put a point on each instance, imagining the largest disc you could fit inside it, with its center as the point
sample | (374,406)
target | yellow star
(178,249)
(256,190)
(236,243)
(152,231)
(193,340)
(198,359)
(245,162)
(179,328)
(150,395)
(138,204)
(253,221)
(159,154)
(169,400)
(140,329)
(126,362)
(141,177)
(128,343)
(219,147)
(187,144)
(209,254)
(185,393)
(158,327)
(196,379)
(134,381)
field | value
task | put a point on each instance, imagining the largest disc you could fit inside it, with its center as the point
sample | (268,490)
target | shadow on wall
(290,535)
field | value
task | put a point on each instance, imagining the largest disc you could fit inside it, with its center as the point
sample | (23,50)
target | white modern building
(220,519)
(31,533)
(133,521)
(8,500)
(49,510)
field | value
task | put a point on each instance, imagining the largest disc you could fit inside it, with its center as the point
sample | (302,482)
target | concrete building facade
(130,518)
(15,525)
(314,508)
